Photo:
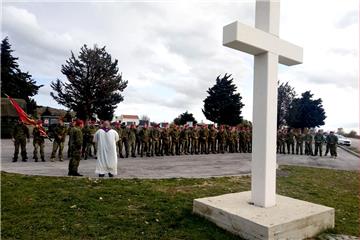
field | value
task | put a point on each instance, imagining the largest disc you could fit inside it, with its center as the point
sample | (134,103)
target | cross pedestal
(268,49)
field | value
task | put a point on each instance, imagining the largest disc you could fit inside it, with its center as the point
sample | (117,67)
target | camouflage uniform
(332,140)
(119,144)
(222,136)
(290,141)
(308,144)
(212,139)
(234,139)
(318,139)
(165,138)
(59,139)
(20,134)
(77,143)
(175,141)
(299,137)
(138,140)
(90,141)
(242,140)
(184,139)
(144,135)
(155,141)
(204,138)
(282,141)
(248,140)
(195,140)
(70,142)
(39,143)
(131,134)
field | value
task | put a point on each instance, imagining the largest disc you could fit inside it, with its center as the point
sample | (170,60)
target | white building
(128,119)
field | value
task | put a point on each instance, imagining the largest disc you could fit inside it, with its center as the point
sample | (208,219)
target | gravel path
(186,166)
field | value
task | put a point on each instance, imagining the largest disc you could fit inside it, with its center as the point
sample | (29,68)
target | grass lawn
(82,208)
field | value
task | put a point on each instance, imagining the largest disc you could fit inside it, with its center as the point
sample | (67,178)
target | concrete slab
(288,219)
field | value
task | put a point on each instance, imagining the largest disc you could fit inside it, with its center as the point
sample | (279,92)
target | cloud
(40,49)
(171,52)
(350,18)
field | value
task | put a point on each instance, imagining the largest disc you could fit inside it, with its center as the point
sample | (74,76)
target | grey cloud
(341,80)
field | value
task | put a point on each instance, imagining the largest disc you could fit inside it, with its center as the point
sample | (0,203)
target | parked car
(343,140)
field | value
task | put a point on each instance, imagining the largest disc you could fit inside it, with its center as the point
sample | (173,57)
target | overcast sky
(171,51)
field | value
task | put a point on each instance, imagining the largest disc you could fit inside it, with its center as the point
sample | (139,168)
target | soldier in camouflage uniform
(38,142)
(90,140)
(185,140)
(318,139)
(145,141)
(175,140)
(138,140)
(332,140)
(119,144)
(248,140)
(165,138)
(290,141)
(204,138)
(155,140)
(19,136)
(72,125)
(131,133)
(85,132)
(59,140)
(308,143)
(242,148)
(222,137)
(212,139)
(282,141)
(195,140)
(234,140)
(299,137)
(77,143)
(278,142)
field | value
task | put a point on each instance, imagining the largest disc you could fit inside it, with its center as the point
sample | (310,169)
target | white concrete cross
(268,49)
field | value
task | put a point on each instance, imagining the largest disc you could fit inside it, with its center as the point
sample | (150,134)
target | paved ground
(355,143)
(191,166)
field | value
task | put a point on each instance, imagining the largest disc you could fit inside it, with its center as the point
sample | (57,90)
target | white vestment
(106,151)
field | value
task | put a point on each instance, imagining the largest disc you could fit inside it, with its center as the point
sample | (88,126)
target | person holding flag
(21,132)
(38,141)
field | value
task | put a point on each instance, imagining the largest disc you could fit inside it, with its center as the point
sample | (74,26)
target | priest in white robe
(105,138)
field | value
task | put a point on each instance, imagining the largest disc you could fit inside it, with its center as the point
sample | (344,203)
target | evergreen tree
(305,112)
(286,95)
(185,117)
(223,105)
(14,82)
(93,84)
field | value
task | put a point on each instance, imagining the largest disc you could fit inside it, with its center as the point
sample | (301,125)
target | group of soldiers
(138,140)
(295,140)
(171,140)
(178,140)
(21,135)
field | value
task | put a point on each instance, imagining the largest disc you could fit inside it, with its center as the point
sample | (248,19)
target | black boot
(101,175)
(111,175)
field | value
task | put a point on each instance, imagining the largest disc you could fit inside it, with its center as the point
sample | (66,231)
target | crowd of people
(172,140)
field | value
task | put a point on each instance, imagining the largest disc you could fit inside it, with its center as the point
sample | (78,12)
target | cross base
(289,219)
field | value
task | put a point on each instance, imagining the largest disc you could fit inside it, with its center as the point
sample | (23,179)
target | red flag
(25,118)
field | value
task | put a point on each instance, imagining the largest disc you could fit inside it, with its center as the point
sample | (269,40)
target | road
(187,166)
(355,143)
